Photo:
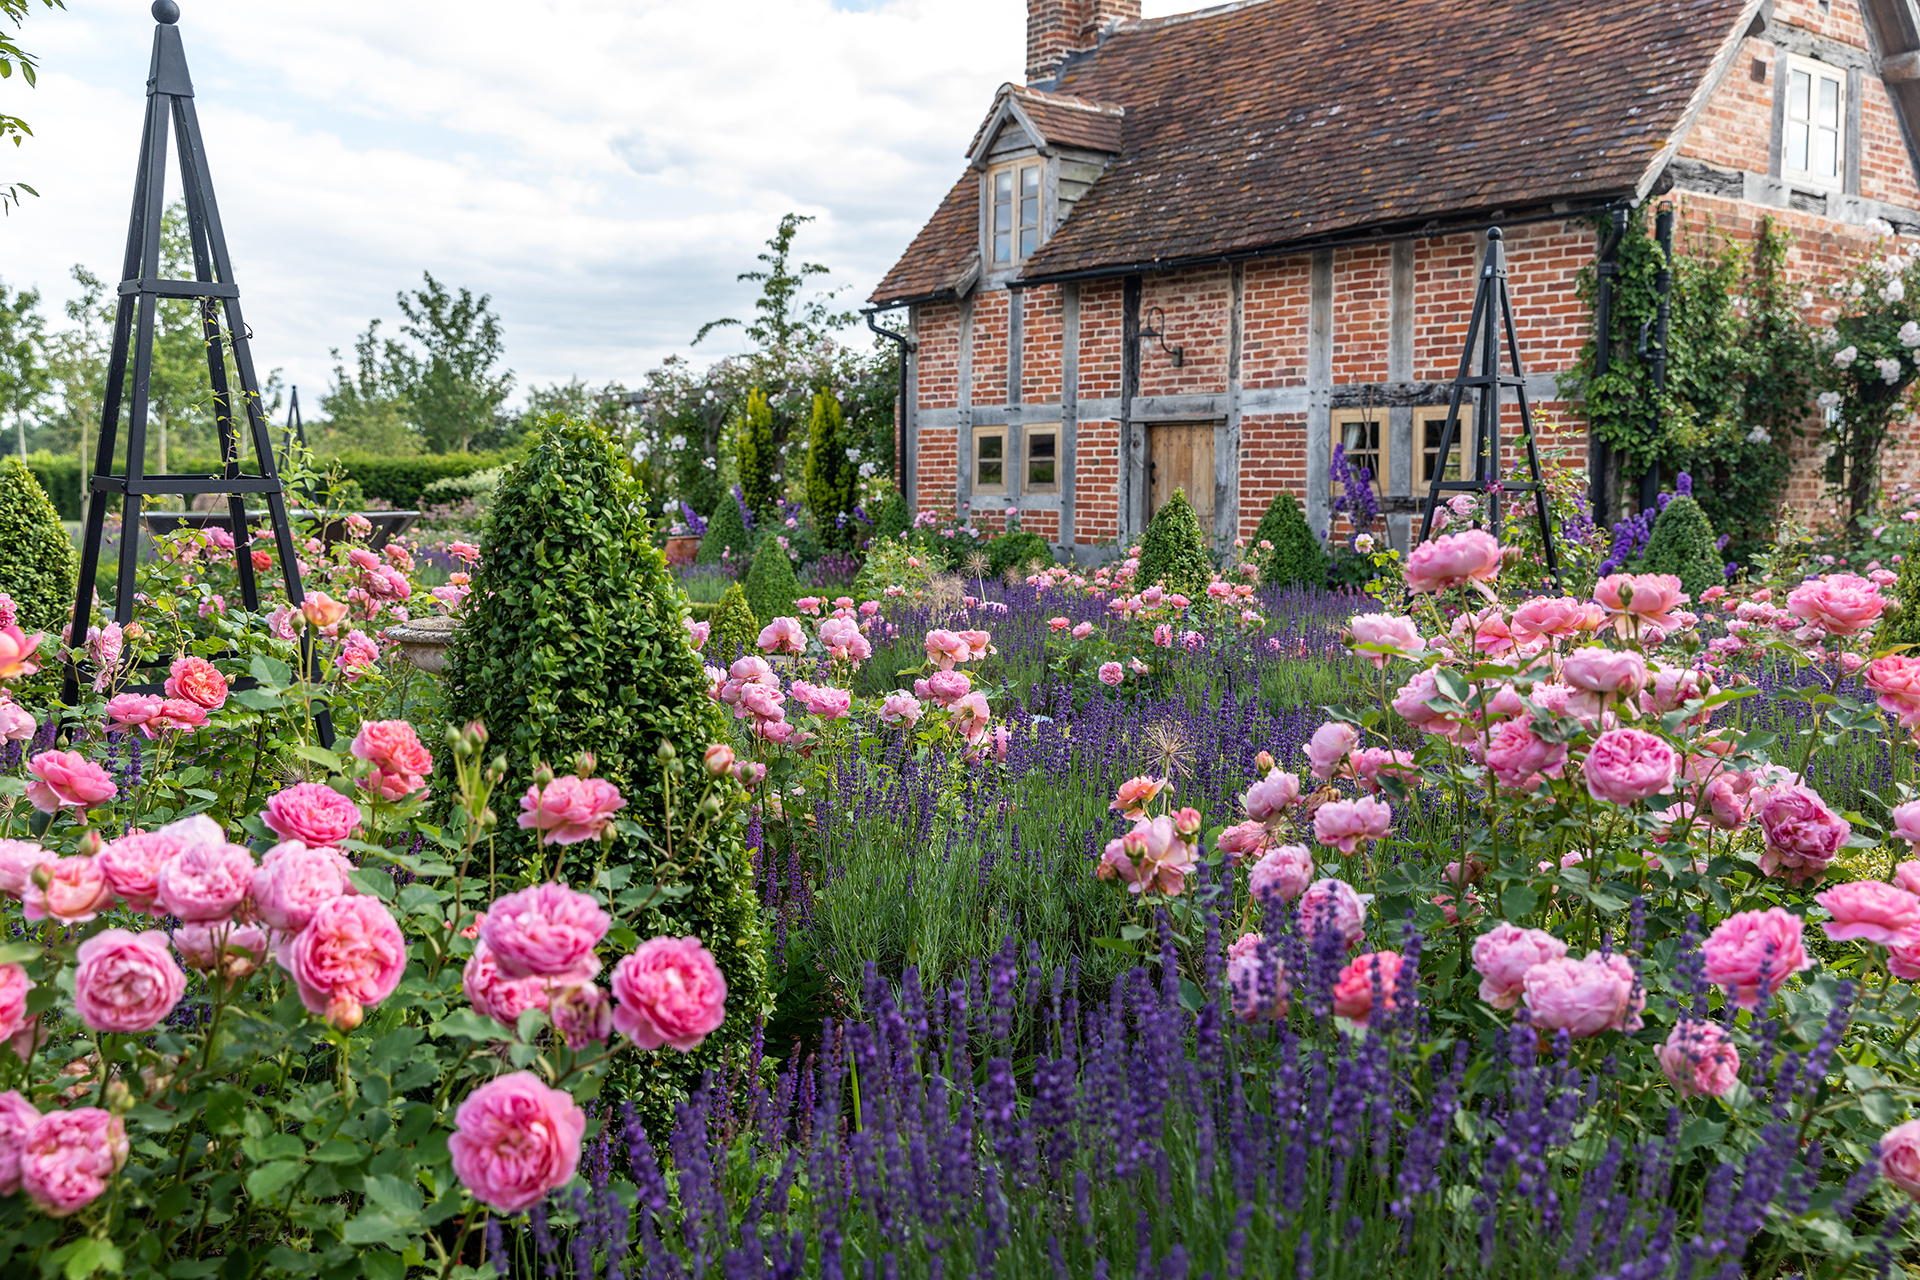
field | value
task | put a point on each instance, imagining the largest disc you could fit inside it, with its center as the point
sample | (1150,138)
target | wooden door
(1181,457)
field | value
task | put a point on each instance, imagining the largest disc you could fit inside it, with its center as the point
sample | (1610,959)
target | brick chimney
(1056,28)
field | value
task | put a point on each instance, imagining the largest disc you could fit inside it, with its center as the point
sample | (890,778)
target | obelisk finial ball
(166,11)
(1493,233)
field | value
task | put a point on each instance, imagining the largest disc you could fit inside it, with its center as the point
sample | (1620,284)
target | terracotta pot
(424,641)
(682,550)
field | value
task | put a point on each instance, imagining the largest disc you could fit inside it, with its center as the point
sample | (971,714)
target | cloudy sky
(602,168)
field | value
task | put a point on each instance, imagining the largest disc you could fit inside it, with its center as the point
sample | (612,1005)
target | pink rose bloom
(1906,822)
(1082,631)
(350,954)
(759,702)
(971,715)
(1907,874)
(1727,798)
(1163,636)
(1136,794)
(1896,679)
(1270,797)
(1329,746)
(312,813)
(75,892)
(394,749)
(1151,856)
(944,648)
(1111,673)
(70,1158)
(751,669)
(1583,997)
(1517,756)
(1503,955)
(1604,671)
(497,995)
(828,704)
(14,985)
(1699,1060)
(1546,617)
(669,991)
(514,1140)
(783,635)
(16,722)
(131,712)
(1371,763)
(697,632)
(1626,766)
(197,681)
(231,950)
(1803,836)
(1333,904)
(208,878)
(583,1015)
(132,864)
(1840,604)
(1900,1157)
(1671,688)
(1244,838)
(16,652)
(126,982)
(1452,559)
(843,640)
(547,931)
(571,809)
(1871,910)
(67,780)
(1752,953)
(18,859)
(979,644)
(1371,974)
(1282,873)
(291,885)
(901,708)
(1411,704)
(1343,824)
(948,687)
(1390,634)
(17,1118)
(1258,982)
(1649,597)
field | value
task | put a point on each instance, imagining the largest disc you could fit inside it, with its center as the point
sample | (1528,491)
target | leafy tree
(37,560)
(833,479)
(1174,553)
(784,321)
(24,379)
(771,587)
(726,529)
(76,359)
(365,409)
(1682,544)
(759,456)
(449,383)
(11,56)
(1297,558)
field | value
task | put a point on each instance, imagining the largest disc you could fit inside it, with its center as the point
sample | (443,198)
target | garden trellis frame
(1492,313)
(170,102)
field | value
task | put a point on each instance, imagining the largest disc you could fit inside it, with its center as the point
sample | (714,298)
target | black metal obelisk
(1492,312)
(170,102)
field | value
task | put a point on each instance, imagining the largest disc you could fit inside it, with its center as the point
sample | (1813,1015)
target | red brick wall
(1096,481)
(1040,351)
(1101,314)
(1886,172)
(1273,456)
(1734,128)
(990,347)
(937,360)
(1273,345)
(1360,314)
(1198,309)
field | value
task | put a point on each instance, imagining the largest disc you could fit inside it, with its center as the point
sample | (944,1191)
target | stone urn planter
(424,641)
(682,550)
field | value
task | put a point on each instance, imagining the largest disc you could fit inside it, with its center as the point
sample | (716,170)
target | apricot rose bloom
(514,1140)
(669,992)
(572,809)
(16,652)
(1136,794)
(1451,559)
(197,681)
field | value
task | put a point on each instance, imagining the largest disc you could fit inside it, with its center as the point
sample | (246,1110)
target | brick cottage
(1196,252)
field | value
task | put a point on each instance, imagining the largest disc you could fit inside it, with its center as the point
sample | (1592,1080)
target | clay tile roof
(1264,125)
(1064,120)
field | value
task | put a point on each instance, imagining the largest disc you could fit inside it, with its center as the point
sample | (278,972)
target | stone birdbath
(424,641)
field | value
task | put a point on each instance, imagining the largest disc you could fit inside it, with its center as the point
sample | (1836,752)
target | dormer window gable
(1036,153)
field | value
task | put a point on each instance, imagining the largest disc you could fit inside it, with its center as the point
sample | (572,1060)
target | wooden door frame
(1224,491)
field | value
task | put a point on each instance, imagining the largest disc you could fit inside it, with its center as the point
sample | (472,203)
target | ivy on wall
(1740,372)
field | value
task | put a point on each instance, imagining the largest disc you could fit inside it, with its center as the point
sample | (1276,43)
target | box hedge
(37,560)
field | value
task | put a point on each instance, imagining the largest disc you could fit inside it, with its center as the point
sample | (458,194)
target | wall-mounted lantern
(1156,329)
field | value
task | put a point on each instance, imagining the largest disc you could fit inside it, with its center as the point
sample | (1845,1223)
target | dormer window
(1015,212)
(1814,147)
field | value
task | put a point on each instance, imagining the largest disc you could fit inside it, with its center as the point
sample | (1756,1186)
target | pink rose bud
(344,1013)
(719,759)
(1264,762)
(514,1140)
(669,992)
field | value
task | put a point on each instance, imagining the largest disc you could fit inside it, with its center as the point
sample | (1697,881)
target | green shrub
(575,639)
(770,585)
(1297,558)
(891,517)
(61,477)
(758,457)
(1682,544)
(1902,623)
(402,482)
(725,529)
(833,479)
(886,566)
(478,485)
(734,627)
(1174,554)
(1017,550)
(37,562)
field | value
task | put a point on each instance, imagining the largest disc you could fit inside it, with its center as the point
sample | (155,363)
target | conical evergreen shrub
(770,585)
(727,528)
(833,479)
(1297,558)
(1174,554)
(574,639)
(735,629)
(1682,544)
(758,458)
(37,561)
(1901,625)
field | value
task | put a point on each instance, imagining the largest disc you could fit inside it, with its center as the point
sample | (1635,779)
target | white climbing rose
(1844,357)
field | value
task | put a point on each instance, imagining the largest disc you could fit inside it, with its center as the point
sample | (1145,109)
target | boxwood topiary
(1902,623)
(1682,544)
(574,639)
(727,528)
(1297,558)
(37,563)
(734,627)
(770,585)
(1017,550)
(1174,554)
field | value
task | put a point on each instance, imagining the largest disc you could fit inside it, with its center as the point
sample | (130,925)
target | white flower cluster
(1889,370)
(1845,356)
(1910,335)
(868,470)
(1828,399)
(677,443)
(1759,435)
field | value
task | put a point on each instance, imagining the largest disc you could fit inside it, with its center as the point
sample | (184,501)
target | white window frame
(1805,123)
(1014,171)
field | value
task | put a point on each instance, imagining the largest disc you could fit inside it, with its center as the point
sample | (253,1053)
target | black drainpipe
(903,463)
(1605,269)
(1657,354)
